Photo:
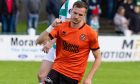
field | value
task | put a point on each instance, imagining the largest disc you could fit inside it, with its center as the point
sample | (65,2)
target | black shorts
(55,77)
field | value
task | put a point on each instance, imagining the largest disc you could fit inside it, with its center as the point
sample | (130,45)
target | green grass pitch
(12,72)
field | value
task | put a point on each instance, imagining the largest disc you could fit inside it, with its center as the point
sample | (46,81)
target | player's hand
(46,49)
(87,81)
(47,45)
(56,22)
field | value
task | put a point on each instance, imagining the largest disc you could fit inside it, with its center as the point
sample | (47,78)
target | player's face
(77,14)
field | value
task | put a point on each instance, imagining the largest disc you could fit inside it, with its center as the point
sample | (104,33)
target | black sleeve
(51,37)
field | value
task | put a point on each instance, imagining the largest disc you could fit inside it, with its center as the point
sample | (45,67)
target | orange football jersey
(72,49)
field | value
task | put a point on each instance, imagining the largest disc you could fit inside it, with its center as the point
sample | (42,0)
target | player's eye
(80,14)
(75,13)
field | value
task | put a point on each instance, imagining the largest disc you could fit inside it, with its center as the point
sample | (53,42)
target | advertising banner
(119,48)
(113,48)
(20,47)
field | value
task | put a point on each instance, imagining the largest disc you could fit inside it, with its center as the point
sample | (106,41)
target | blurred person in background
(19,4)
(118,4)
(0,12)
(94,23)
(110,9)
(135,20)
(92,5)
(121,22)
(33,7)
(52,9)
(128,5)
(8,16)
(0,22)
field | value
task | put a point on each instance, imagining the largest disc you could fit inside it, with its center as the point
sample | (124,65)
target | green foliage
(21,28)
(41,27)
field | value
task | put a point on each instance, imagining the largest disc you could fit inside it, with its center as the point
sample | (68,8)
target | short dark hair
(80,4)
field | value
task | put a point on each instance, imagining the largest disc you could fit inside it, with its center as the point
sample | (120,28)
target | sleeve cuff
(51,37)
(95,48)
(49,29)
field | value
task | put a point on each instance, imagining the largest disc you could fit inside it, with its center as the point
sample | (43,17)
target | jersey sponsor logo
(82,37)
(70,47)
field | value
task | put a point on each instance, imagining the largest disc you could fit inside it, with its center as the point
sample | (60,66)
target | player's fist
(56,22)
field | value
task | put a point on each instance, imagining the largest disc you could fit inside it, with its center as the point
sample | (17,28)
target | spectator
(8,13)
(92,4)
(94,23)
(110,9)
(52,9)
(19,4)
(1,3)
(121,23)
(128,5)
(0,22)
(0,11)
(33,7)
(135,20)
(118,4)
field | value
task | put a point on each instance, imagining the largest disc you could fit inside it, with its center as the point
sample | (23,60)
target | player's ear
(70,11)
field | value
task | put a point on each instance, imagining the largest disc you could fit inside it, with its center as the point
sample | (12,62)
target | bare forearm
(94,68)
(96,64)
(42,37)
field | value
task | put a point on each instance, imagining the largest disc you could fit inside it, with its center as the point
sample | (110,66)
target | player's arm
(44,35)
(95,66)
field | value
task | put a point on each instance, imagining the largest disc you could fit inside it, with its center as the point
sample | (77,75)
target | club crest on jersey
(82,37)
(63,33)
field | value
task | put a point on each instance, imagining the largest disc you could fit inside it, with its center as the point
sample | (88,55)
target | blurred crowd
(10,10)
(123,14)
(127,18)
